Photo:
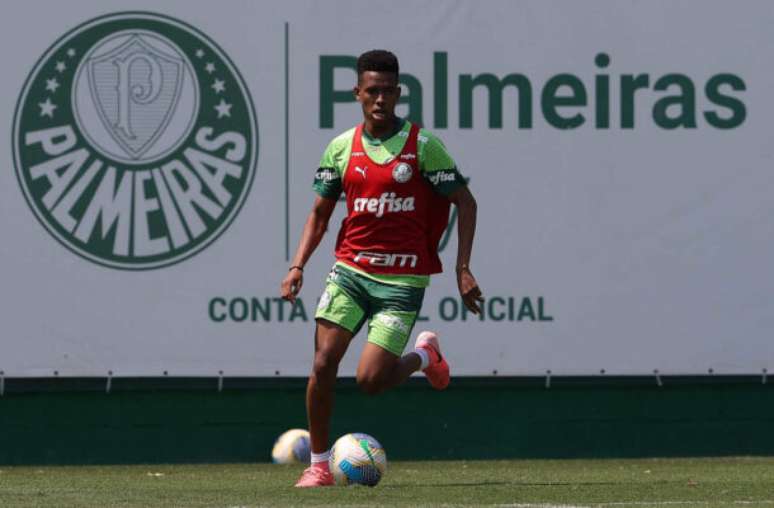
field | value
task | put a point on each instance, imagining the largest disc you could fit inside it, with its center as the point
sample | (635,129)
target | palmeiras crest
(135,140)
(135,88)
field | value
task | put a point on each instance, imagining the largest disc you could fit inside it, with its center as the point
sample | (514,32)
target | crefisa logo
(135,141)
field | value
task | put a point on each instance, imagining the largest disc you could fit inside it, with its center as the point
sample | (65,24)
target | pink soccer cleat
(315,477)
(437,372)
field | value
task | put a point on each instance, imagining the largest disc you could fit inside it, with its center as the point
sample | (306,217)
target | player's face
(378,93)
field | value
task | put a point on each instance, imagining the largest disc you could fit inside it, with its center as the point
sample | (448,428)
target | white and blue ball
(291,447)
(358,459)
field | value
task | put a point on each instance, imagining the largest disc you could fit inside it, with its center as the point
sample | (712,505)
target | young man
(398,181)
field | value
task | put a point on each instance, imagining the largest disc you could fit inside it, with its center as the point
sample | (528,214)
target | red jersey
(394,217)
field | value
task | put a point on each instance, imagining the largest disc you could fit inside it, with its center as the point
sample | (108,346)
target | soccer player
(399,182)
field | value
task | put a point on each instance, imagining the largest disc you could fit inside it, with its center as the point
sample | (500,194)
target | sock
(423,356)
(321,459)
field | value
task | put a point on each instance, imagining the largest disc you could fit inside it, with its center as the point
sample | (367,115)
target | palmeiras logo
(135,141)
(402,173)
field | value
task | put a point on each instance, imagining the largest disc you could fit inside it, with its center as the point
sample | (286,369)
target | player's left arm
(466,229)
(441,171)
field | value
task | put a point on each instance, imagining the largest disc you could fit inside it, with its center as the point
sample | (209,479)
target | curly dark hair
(378,60)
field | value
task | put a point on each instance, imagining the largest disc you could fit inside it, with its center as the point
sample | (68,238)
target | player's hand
(469,290)
(291,285)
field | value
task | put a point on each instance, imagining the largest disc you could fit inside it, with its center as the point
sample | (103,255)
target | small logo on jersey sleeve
(326,174)
(402,172)
(442,176)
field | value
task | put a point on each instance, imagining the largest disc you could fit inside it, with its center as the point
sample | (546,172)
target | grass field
(745,482)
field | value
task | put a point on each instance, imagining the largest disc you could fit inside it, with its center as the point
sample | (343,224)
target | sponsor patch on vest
(388,202)
(387,259)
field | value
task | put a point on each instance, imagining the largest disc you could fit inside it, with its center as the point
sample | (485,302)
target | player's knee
(324,364)
(371,383)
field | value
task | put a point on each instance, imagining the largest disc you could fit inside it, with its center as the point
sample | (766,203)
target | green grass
(747,482)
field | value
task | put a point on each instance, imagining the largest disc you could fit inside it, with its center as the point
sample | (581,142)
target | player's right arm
(328,187)
(314,229)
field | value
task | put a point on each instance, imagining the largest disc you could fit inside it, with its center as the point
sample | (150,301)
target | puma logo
(360,170)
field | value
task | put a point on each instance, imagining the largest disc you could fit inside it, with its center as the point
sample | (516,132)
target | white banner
(160,160)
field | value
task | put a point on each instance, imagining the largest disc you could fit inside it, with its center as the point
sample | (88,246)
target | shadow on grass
(489,483)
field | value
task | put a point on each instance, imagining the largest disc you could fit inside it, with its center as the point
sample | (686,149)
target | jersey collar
(400,123)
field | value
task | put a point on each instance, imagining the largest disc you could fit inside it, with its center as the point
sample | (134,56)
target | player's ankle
(424,357)
(320,460)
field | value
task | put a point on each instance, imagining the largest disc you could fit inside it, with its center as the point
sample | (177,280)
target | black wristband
(296,266)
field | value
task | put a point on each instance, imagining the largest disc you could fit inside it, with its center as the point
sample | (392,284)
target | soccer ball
(291,447)
(358,459)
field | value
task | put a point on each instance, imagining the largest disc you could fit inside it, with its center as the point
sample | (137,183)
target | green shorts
(350,300)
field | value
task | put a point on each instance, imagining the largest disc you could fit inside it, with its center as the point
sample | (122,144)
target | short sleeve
(327,178)
(438,166)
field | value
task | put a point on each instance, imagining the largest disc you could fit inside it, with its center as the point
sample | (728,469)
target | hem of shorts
(384,346)
(350,330)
